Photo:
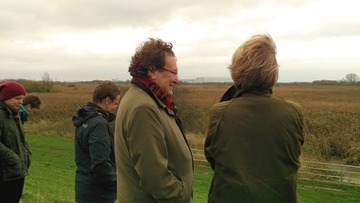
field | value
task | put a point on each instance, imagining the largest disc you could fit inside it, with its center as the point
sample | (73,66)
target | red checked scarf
(155,89)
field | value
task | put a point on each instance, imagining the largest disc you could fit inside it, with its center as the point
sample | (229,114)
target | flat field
(331,113)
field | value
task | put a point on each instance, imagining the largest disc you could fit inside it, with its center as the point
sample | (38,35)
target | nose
(176,79)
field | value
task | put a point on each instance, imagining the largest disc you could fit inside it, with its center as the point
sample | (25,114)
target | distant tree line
(45,85)
(350,78)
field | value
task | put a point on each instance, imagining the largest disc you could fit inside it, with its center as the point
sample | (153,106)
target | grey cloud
(96,14)
(24,23)
(343,29)
(340,29)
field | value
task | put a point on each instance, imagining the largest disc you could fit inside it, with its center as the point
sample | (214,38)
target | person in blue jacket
(29,105)
(95,179)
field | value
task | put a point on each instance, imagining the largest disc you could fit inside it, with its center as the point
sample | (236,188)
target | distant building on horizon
(209,80)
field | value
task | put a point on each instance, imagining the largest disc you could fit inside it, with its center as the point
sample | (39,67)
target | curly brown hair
(150,55)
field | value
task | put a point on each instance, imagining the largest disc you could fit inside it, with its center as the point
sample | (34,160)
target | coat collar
(152,95)
(253,90)
(232,92)
(8,111)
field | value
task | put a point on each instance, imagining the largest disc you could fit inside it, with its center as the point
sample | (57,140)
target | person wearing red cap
(14,150)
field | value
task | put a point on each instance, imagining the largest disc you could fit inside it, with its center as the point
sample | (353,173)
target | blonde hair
(254,63)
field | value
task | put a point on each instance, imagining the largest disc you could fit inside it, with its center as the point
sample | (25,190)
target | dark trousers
(11,191)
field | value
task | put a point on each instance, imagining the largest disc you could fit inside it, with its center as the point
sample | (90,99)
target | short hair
(104,90)
(254,63)
(33,100)
(150,55)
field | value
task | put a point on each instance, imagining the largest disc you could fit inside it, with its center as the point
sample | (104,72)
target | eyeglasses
(173,72)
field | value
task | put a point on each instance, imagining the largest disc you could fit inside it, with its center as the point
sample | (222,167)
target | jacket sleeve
(148,151)
(214,119)
(100,150)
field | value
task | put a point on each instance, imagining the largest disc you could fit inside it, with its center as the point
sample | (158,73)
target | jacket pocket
(12,168)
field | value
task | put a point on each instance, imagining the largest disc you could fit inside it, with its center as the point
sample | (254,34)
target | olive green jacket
(253,145)
(14,151)
(153,159)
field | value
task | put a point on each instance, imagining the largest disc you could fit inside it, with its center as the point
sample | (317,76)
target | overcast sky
(78,40)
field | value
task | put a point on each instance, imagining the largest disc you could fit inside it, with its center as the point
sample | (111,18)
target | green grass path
(52,172)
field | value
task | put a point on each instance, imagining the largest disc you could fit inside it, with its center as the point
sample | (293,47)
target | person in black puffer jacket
(95,180)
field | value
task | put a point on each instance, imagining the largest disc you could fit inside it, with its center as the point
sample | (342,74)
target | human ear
(151,74)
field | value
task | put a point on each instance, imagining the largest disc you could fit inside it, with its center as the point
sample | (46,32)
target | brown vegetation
(332,114)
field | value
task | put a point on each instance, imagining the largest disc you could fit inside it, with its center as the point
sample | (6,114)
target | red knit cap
(11,89)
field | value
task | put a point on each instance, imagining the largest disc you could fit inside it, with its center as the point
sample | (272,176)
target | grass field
(331,114)
(51,178)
